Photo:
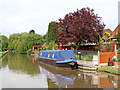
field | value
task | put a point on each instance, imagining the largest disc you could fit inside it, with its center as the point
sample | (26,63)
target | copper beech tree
(80,26)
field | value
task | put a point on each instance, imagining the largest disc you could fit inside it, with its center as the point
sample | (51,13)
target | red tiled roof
(116,31)
(37,46)
(109,31)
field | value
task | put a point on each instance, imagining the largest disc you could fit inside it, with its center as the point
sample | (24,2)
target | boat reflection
(61,77)
(66,78)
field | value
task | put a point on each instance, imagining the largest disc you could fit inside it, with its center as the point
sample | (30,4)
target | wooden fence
(118,56)
(104,56)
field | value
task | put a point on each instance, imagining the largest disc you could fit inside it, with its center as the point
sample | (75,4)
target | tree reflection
(4,62)
(22,63)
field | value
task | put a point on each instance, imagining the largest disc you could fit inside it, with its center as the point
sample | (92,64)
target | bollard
(79,55)
(110,63)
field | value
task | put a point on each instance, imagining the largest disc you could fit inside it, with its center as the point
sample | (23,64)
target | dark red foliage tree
(80,26)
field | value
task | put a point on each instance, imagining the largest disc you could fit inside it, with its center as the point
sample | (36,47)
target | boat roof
(50,50)
(58,54)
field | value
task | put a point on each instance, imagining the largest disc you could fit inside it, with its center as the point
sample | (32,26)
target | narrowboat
(58,58)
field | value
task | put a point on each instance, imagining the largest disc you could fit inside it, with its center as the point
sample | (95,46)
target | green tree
(26,42)
(106,36)
(51,36)
(4,42)
(23,42)
(14,41)
(22,46)
(117,36)
(50,45)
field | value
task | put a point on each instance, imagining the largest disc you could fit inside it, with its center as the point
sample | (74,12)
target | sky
(18,16)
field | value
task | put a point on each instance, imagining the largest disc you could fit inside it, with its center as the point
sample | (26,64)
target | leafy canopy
(79,27)
(4,42)
(24,41)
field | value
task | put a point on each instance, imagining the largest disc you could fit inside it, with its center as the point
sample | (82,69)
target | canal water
(24,71)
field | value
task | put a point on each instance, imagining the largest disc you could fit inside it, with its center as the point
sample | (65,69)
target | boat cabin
(59,58)
(57,54)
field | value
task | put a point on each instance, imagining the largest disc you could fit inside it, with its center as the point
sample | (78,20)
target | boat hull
(61,65)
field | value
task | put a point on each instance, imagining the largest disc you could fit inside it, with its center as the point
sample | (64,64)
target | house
(117,29)
(35,49)
(109,31)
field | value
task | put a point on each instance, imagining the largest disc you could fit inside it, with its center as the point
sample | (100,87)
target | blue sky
(18,16)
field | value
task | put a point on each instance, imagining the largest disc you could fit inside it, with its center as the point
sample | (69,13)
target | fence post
(115,51)
(98,57)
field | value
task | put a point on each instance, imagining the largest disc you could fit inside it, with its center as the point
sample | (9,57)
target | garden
(85,55)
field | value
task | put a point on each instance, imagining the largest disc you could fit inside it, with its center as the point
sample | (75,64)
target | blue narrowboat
(58,58)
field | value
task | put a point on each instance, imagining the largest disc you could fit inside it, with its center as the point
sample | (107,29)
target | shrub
(119,50)
(114,60)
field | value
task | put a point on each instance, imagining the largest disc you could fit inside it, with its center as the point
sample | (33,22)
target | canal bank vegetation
(109,69)
(86,57)
(3,42)
(50,37)
(3,45)
(3,53)
(23,42)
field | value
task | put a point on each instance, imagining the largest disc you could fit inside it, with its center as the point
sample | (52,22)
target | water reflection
(18,71)
(4,62)
(59,78)
(108,81)
(21,63)
(25,71)
(66,78)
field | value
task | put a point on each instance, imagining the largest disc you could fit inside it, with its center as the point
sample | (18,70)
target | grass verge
(109,69)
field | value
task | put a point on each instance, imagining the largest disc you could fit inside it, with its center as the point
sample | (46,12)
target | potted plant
(115,62)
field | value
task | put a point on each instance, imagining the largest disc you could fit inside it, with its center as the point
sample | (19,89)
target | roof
(109,31)
(58,54)
(116,31)
(37,46)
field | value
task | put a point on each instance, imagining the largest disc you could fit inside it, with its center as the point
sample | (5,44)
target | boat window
(48,54)
(53,55)
(45,54)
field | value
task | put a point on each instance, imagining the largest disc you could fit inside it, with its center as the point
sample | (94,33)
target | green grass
(87,57)
(109,69)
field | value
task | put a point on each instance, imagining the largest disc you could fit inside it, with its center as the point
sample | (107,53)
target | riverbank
(88,65)
(109,69)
